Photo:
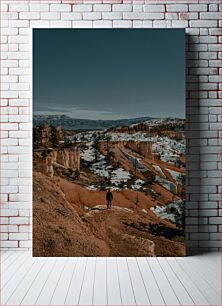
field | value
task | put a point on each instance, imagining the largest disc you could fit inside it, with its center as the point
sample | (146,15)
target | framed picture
(108,142)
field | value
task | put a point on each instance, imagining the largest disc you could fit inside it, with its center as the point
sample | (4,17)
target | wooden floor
(110,281)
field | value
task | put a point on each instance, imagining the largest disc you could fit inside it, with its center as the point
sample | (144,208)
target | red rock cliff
(68,158)
(142,147)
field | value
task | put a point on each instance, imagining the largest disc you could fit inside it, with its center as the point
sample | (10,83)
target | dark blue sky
(109,73)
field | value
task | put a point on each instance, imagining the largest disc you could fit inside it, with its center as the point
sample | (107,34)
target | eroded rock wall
(68,158)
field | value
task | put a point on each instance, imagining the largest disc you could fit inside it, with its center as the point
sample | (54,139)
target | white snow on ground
(176,175)
(158,169)
(167,184)
(100,168)
(137,184)
(119,175)
(113,188)
(120,136)
(136,162)
(91,187)
(158,121)
(138,136)
(98,208)
(86,136)
(168,149)
(89,153)
(168,212)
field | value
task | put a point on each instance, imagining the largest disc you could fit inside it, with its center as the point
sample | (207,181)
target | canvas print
(108,142)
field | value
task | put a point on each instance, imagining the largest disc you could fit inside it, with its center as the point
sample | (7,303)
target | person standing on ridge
(109,198)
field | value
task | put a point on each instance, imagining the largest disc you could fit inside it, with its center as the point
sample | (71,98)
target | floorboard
(10,261)
(100,283)
(63,285)
(75,285)
(165,287)
(38,284)
(208,292)
(181,292)
(113,285)
(18,277)
(212,278)
(186,279)
(127,292)
(48,290)
(14,269)
(211,260)
(23,286)
(86,294)
(4,255)
(154,293)
(110,281)
(140,291)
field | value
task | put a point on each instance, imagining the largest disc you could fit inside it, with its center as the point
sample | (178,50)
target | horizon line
(130,118)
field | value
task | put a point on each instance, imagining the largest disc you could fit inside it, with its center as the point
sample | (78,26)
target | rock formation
(67,158)
(58,133)
(174,135)
(170,130)
(47,135)
(44,134)
(141,127)
(142,147)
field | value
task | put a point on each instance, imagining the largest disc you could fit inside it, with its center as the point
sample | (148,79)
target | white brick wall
(201,20)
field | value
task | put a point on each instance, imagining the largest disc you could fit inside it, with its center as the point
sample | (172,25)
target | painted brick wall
(201,18)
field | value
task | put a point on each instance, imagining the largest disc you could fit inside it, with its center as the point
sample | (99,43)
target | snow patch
(167,184)
(137,184)
(158,169)
(91,187)
(136,162)
(176,175)
(170,211)
(89,153)
(119,175)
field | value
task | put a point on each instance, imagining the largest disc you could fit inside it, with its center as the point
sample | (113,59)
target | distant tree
(36,136)
(94,135)
(135,162)
(130,182)
(137,200)
(171,210)
(102,185)
(53,137)
(181,187)
(67,143)
(96,152)
(182,179)
(180,215)
(112,159)
(121,184)
(82,138)
(150,177)
(107,180)
(108,138)
(96,148)
(158,155)
(77,174)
